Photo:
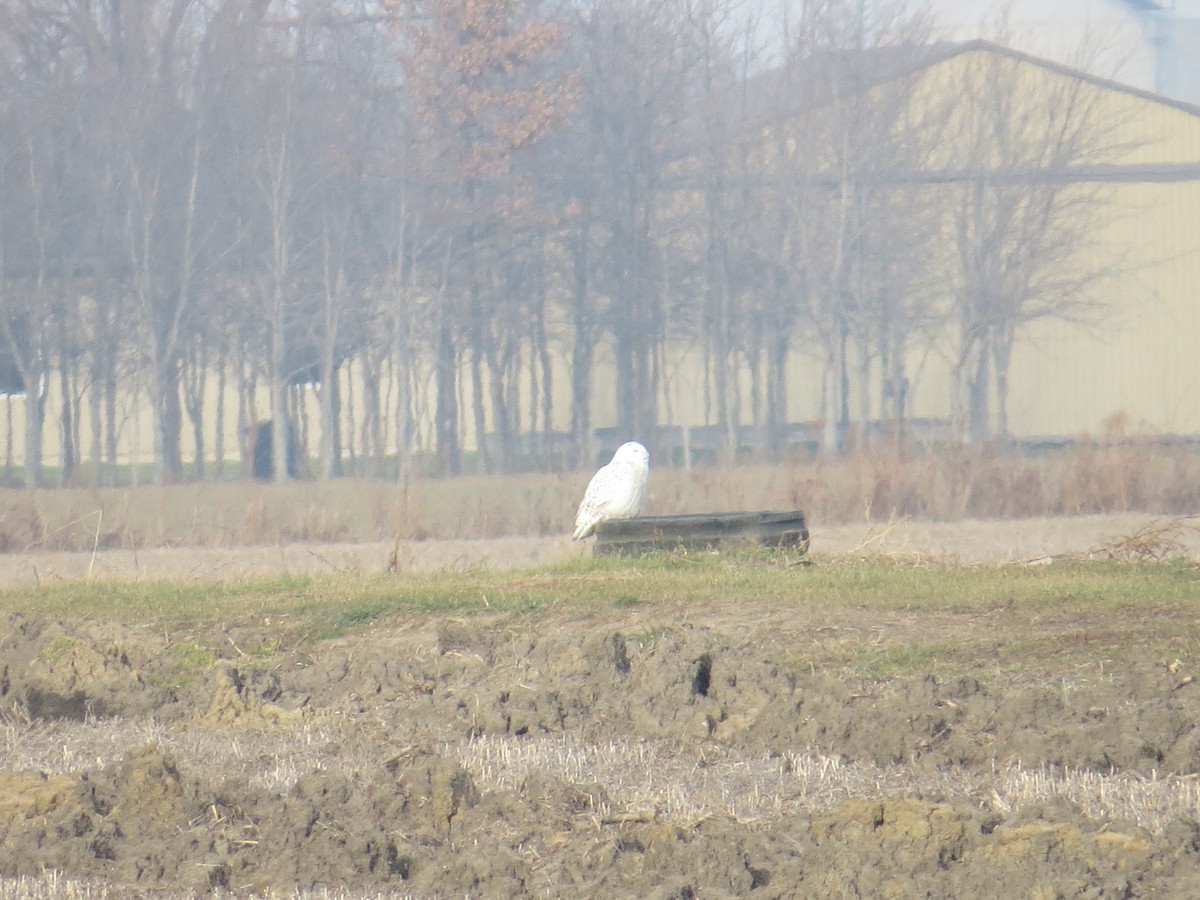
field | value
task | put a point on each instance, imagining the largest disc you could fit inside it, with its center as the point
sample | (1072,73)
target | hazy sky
(1103,36)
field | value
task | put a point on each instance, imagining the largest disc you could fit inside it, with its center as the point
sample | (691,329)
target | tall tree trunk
(195,381)
(403,411)
(512,380)
(583,443)
(299,428)
(977,395)
(633,335)
(247,414)
(331,451)
(195,410)
(624,358)
(373,444)
(198,461)
(895,386)
(721,382)
(95,416)
(541,369)
(335,399)
(351,442)
(832,397)
(777,411)
(1001,362)
(537,430)
(219,430)
(864,395)
(446,414)
(66,417)
(111,448)
(335,295)
(171,424)
(35,410)
(754,363)
(582,352)
(280,419)
(498,370)
(541,349)
(8,439)
(717,301)
(479,406)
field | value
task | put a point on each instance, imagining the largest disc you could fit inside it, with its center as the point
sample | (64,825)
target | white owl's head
(633,453)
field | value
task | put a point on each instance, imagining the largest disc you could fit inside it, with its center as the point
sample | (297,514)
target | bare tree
(334,306)
(845,91)
(476,73)
(1025,218)
(137,121)
(290,187)
(163,287)
(40,247)
(25,334)
(720,131)
(403,320)
(278,188)
(436,195)
(635,57)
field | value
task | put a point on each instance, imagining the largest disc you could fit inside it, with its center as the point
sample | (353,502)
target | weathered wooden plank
(701,531)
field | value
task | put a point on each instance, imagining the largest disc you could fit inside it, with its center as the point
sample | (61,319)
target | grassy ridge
(936,616)
(764,580)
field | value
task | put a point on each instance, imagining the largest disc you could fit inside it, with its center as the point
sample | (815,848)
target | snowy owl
(616,490)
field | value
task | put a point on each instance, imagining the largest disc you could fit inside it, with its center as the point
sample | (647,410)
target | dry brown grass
(1156,541)
(658,781)
(877,486)
(650,780)
(56,886)
(52,886)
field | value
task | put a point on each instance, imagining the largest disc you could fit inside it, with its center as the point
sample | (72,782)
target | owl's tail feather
(584,527)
